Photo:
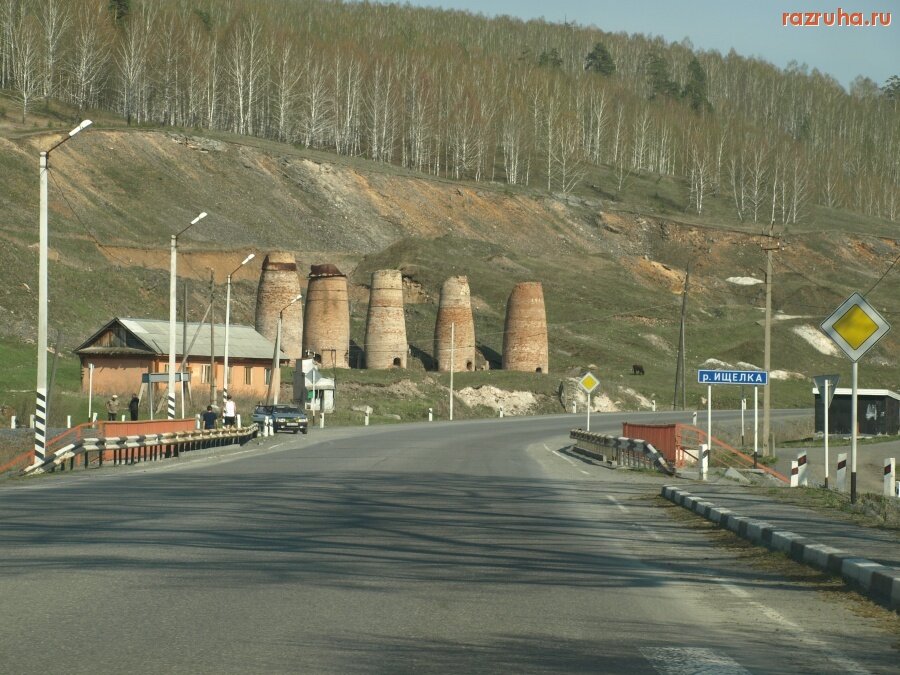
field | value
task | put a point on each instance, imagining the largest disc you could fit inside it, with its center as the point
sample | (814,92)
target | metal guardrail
(122,450)
(618,451)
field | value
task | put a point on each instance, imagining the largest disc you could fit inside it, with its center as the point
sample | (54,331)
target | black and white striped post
(40,404)
(890,489)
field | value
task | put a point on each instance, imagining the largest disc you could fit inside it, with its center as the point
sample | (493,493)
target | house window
(268,376)
(204,373)
(248,375)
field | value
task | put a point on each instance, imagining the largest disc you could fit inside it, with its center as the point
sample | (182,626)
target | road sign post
(755,378)
(855,327)
(825,385)
(588,383)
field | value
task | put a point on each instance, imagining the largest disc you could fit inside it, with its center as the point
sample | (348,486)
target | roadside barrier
(802,469)
(123,450)
(795,473)
(616,451)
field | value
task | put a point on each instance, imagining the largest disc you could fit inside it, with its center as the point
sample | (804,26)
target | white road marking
(652,533)
(691,661)
(616,502)
(561,456)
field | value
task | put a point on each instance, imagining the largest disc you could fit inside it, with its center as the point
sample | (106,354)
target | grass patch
(870,510)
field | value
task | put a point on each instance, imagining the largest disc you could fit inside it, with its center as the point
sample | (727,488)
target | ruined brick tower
(279,283)
(455,307)
(525,331)
(386,345)
(326,329)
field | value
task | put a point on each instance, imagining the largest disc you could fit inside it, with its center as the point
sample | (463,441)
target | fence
(618,451)
(133,449)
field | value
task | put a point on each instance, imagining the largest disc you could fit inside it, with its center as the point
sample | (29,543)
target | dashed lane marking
(616,502)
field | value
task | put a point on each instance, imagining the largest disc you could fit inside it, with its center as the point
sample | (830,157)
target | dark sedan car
(284,417)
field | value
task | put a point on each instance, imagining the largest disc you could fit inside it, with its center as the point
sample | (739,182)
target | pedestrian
(112,408)
(209,418)
(133,406)
(230,412)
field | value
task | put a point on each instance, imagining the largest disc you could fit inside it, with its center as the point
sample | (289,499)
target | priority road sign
(588,382)
(855,326)
(751,377)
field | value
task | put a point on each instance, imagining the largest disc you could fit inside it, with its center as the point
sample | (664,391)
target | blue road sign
(751,377)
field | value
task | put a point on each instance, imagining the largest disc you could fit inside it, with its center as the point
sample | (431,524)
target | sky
(751,27)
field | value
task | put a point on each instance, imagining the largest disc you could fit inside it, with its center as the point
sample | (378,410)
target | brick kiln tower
(386,345)
(525,331)
(326,330)
(279,283)
(455,308)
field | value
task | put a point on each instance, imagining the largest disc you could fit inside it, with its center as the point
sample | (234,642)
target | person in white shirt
(230,413)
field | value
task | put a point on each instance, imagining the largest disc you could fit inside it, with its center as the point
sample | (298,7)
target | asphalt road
(451,547)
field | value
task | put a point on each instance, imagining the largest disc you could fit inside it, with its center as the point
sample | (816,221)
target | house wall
(122,375)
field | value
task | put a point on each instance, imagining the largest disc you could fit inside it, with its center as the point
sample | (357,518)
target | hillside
(612,270)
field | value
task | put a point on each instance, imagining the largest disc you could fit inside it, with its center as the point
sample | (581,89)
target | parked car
(284,417)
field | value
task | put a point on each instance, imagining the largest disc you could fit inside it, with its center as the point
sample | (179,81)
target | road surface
(462,547)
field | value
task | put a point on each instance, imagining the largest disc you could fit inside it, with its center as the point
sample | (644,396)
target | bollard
(12,422)
(94,418)
(322,421)
(889,473)
(367,419)
(704,460)
(197,420)
(271,423)
(695,419)
(68,421)
(31,422)
(795,473)
(265,429)
(237,421)
(501,411)
(430,415)
(841,474)
(574,407)
(653,405)
(802,469)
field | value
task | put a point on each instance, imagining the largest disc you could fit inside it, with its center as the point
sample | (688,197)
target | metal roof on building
(243,341)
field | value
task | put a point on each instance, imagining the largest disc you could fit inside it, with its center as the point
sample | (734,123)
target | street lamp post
(170,405)
(275,379)
(228,321)
(40,406)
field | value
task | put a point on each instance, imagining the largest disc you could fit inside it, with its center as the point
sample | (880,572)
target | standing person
(230,412)
(133,406)
(112,408)
(209,418)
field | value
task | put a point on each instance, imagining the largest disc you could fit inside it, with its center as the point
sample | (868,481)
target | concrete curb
(878,581)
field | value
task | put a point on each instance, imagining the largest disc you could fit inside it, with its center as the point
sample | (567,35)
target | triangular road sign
(832,385)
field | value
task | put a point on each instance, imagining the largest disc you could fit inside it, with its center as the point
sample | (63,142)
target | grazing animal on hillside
(637,369)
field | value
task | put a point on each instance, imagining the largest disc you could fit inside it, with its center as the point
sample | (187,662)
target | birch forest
(467,97)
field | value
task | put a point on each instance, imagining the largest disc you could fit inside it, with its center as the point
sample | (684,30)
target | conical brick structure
(455,309)
(326,330)
(279,283)
(525,331)
(386,345)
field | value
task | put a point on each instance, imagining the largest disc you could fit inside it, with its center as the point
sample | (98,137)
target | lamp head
(84,125)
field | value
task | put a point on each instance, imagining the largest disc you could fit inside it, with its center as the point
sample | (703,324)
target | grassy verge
(870,510)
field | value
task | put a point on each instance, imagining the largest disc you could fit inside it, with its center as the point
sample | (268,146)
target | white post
(265,429)
(803,468)
(237,421)
(854,403)
(197,421)
(68,421)
(842,472)
(452,345)
(653,405)
(704,460)
(709,415)
(322,418)
(181,388)
(694,421)
(170,394)
(889,473)
(227,322)
(276,369)
(430,415)
(743,409)
(91,392)
(795,473)
(825,404)
(31,422)
(755,423)
(367,418)
(12,422)
(40,431)
(588,412)
(123,418)
(93,418)
(574,407)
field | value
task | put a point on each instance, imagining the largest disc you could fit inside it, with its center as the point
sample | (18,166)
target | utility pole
(184,332)
(212,340)
(770,249)
(679,367)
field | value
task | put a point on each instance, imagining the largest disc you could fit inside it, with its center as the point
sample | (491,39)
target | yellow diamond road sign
(855,326)
(588,382)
